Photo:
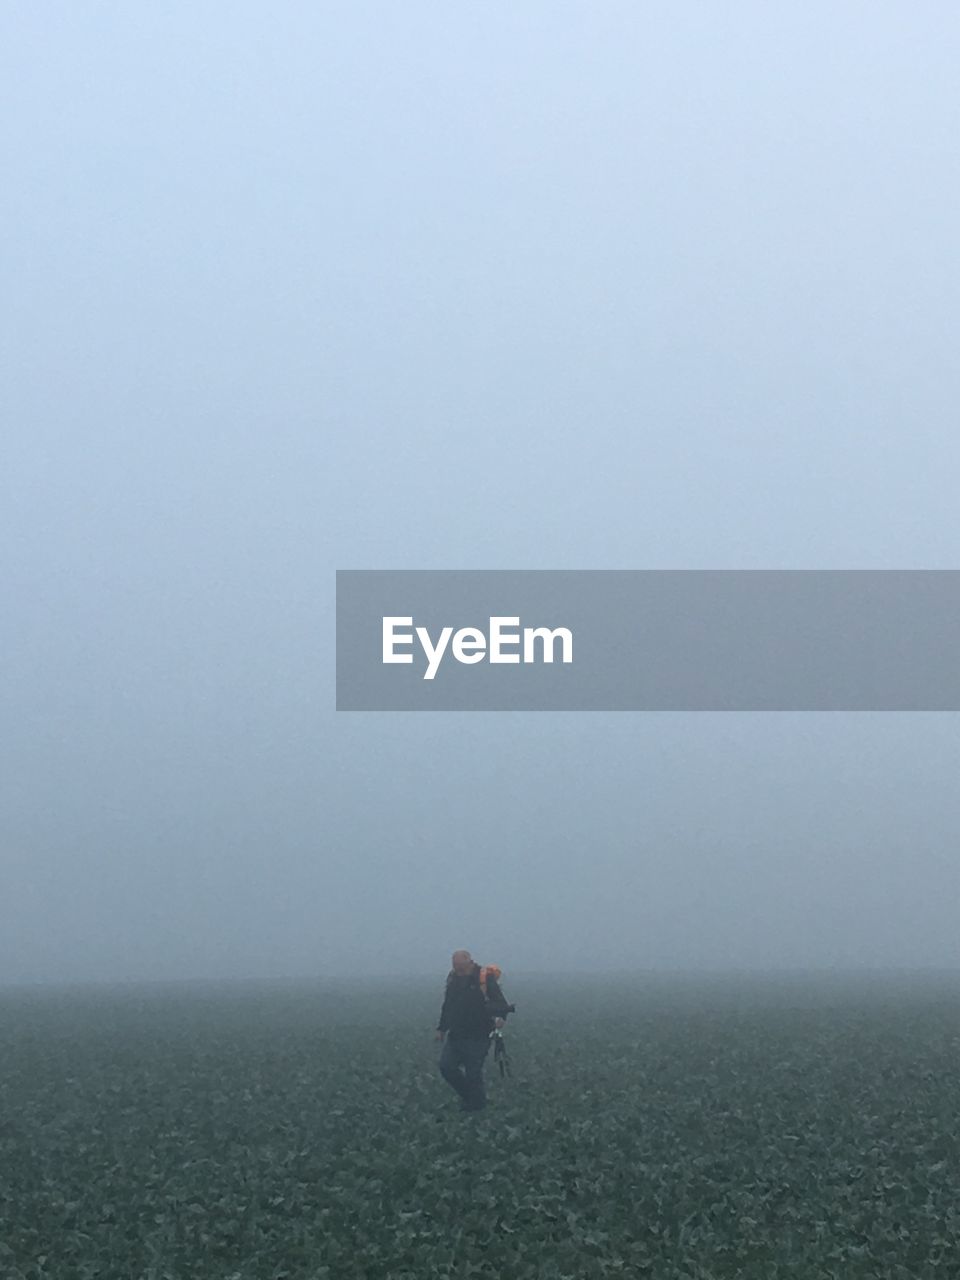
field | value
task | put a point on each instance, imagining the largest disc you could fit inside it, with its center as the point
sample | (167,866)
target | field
(656,1127)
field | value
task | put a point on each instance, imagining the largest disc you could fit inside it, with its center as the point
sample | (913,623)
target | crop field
(799,1128)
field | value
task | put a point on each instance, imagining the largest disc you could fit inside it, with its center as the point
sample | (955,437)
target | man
(466,1020)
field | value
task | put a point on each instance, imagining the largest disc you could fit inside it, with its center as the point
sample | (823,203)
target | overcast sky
(300,287)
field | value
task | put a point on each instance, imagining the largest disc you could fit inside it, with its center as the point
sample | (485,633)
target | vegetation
(692,1129)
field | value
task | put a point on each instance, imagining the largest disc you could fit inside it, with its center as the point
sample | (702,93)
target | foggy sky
(292,289)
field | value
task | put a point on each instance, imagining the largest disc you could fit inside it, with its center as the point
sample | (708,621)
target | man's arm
(496,1000)
(444,1013)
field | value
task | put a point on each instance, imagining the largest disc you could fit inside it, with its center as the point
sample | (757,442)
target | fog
(475,286)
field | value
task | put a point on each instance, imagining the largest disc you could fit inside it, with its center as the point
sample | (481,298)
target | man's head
(462,962)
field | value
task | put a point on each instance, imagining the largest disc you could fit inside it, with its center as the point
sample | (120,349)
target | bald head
(462,962)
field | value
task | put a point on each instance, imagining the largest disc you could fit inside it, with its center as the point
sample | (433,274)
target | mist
(372,286)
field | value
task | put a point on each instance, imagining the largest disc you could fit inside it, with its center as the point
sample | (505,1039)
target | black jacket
(465,1014)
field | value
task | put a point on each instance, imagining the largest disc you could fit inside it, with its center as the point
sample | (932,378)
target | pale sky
(296,288)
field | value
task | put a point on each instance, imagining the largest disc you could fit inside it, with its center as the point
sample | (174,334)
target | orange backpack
(489,971)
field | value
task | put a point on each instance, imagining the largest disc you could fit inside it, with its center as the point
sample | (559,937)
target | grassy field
(661,1128)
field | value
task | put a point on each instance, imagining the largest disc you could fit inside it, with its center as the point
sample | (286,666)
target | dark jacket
(465,1014)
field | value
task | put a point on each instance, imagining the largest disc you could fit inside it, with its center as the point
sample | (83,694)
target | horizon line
(392,977)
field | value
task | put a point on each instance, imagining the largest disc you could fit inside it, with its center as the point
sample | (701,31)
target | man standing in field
(473,1005)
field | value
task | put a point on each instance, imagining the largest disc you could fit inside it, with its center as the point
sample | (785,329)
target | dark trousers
(461,1065)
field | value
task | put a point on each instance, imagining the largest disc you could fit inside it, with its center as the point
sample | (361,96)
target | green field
(663,1128)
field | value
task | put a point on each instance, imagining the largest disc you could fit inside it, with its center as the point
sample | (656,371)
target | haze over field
(421,286)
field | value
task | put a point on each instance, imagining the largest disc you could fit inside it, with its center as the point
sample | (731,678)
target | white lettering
(434,653)
(469,645)
(530,635)
(497,638)
(390,640)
